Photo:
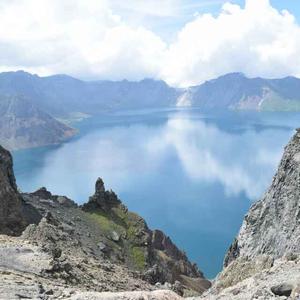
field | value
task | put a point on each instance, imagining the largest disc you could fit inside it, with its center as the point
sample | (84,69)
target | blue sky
(183,42)
(168,25)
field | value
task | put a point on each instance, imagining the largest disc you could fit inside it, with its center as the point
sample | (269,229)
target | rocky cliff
(272,225)
(15,214)
(75,251)
(264,260)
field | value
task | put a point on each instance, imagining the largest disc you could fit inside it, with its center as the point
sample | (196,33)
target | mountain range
(63,97)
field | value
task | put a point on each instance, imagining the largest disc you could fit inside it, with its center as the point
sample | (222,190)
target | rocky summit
(51,248)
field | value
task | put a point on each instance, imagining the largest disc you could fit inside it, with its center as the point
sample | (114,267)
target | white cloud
(98,39)
(82,38)
(257,40)
(204,160)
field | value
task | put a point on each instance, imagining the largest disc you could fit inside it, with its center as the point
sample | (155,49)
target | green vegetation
(138,257)
(106,223)
(127,224)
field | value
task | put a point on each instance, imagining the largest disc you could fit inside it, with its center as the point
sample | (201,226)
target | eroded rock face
(272,225)
(12,221)
(263,261)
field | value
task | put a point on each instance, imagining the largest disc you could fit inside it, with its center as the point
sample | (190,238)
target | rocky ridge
(71,250)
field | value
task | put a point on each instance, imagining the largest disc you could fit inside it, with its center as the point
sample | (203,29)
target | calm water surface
(192,175)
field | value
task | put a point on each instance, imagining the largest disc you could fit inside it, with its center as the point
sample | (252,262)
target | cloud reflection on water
(123,155)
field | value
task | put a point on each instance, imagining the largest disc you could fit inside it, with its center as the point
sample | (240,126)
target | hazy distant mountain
(28,121)
(62,94)
(23,125)
(237,92)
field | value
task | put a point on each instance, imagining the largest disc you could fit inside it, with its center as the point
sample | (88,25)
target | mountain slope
(237,92)
(61,95)
(100,246)
(23,125)
(272,225)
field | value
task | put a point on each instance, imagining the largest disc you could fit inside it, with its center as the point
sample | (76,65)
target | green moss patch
(138,258)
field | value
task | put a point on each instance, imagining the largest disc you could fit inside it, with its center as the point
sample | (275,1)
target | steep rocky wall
(15,214)
(272,225)
(263,262)
(12,220)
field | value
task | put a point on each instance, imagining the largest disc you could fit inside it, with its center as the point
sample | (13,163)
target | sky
(183,42)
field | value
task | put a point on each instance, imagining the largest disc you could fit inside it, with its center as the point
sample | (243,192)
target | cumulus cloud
(257,40)
(97,39)
(82,38)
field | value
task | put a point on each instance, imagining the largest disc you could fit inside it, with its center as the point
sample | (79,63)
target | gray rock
(65,201)
(103,247)
(284,289)
(43,193)
(114,236)
(272,224)
(263,261)
(15,214)
(102,199)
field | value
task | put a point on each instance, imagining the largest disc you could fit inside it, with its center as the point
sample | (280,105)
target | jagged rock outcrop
(102,199)
(15,215)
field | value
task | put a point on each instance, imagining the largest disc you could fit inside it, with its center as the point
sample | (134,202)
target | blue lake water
(190,174)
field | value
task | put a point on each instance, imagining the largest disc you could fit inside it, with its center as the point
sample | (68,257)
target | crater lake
(191,174)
